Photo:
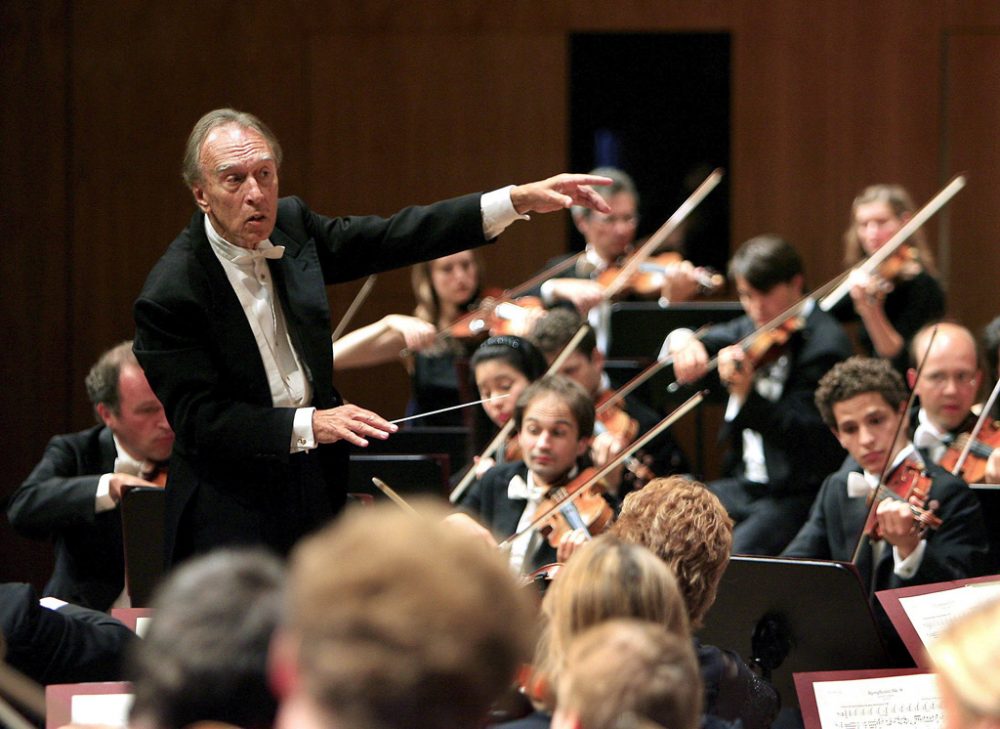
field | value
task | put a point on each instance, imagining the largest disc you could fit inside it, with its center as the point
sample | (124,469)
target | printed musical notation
(880,703)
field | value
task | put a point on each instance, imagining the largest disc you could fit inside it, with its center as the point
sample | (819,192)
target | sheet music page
(106,709)
(874,703)
(141,626)
(931,613)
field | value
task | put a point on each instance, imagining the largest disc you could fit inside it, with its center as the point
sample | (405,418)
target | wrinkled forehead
(230,145)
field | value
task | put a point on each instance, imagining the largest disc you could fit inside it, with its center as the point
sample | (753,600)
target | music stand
(807,694)
(143,526)
(989,500)
(425,474)
(636,329)
(794,615)
(890,601)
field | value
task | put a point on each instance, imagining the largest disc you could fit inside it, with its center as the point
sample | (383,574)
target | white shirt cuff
(303,438)
(675,340)
(548,293)
(906,568)
(498,212)
(103,500)
(52,603)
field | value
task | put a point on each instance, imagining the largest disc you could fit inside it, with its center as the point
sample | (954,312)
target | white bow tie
(257,258)
(518,488)
(928,437)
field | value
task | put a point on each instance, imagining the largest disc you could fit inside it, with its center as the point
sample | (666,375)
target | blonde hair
(900,202)
(606,579)
(685,525)
(967,658)
(404,622)
(628,673)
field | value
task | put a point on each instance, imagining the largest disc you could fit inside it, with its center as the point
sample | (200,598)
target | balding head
(950,378)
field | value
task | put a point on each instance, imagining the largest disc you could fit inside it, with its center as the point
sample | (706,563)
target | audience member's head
(606,579)
(204,657)
(966,659)
(686,526)
(396,621)
(627,674)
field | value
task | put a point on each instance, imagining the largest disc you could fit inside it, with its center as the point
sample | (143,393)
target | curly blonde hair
(686,526)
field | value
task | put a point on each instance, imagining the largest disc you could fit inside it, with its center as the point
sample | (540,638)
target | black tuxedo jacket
(57,502)
(232,478)
(68,645)
(958,549)
(487,501)
(799,450)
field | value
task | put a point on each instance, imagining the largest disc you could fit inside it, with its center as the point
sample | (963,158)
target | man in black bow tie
(73,493)
(233,330)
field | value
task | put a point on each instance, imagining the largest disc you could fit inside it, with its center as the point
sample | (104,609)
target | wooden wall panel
(441,114)
(972,118)
(34,265)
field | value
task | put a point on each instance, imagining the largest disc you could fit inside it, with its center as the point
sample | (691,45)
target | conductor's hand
(350,423)
(558,193)
(690,361)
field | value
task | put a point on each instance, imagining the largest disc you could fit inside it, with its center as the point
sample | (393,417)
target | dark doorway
(657,106)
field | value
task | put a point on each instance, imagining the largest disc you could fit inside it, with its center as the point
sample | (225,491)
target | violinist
(948,387)
(617,426)
(893,304)
(780,450)
(445,289)
(610,238)
(862,401)
(554,419)
(503,366)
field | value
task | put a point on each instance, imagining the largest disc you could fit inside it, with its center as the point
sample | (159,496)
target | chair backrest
(142,533)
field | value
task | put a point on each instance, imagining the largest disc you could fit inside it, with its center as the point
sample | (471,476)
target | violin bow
(902,235)
(499,438)
(359,299)
(629,387)
(16,688)
(394,497)
(983,417)
(888,463)
(687,406)
(663,233)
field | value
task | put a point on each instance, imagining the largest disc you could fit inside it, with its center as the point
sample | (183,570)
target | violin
(589,511)
(910,483)
(768,343)
(968,454)
(577,488)
(980,447)
(841,286)
(649,276)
